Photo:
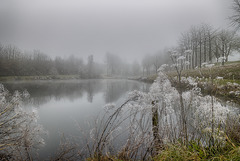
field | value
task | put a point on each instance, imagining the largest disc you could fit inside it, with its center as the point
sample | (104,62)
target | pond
(62,104)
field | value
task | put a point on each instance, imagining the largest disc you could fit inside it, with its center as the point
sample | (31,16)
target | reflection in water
(63,103)
(43,91)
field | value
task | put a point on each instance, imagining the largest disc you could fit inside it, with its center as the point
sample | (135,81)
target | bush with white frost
(19,131)
(198,118)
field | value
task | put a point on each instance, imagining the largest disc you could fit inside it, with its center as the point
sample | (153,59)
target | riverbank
(230,71)
(45,77)
(221,81)
(225,82)
(148,79)
(55,77)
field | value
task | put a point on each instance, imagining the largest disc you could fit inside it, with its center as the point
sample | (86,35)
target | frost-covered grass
(230,150)
(222,81)
(169,123)
(225,81)
(228,63)
(229,71)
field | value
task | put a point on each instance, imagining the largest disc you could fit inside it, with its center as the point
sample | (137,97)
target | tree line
(203,44)
(199,45)
(14,62)
(148,66)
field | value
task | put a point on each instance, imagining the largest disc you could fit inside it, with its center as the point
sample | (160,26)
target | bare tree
(207,43)
(135,68)
(156,59)
(227,43)
(235,18)
(146,64)
(113,64)
(90,67)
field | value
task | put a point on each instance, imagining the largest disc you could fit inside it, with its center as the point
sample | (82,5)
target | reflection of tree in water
(92,87)
(43,91)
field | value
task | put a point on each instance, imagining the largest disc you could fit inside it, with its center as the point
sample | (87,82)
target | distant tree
(211,33)
(113,64)
(235,18)
(59,64)
(216,51)
(156,60)
(90,67)
(135,68)
(205,43)
(146,65)
(41,63)
(228,41)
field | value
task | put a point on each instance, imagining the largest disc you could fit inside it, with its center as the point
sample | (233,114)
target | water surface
(62,104)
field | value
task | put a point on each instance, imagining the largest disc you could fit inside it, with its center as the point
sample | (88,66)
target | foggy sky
(129,28)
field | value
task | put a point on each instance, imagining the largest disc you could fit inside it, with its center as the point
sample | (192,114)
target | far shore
(58,77)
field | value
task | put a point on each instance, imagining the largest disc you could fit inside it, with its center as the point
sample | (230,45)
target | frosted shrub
(19,130)
(157,117)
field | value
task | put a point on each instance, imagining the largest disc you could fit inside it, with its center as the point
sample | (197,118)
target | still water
(64,104)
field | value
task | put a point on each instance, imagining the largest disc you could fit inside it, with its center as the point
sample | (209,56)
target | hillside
(230,71)
(225,83)
(226,80)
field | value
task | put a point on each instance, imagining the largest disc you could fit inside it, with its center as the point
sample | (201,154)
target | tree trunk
(155,129)
(196,57)
(205,50)
(223,54)
(200,53)
(193,59)
(210,50)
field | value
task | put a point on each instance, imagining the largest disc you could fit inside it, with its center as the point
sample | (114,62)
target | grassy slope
(230,73)
(222,88)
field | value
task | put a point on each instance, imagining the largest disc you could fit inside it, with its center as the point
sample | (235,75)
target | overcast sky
(130,28)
